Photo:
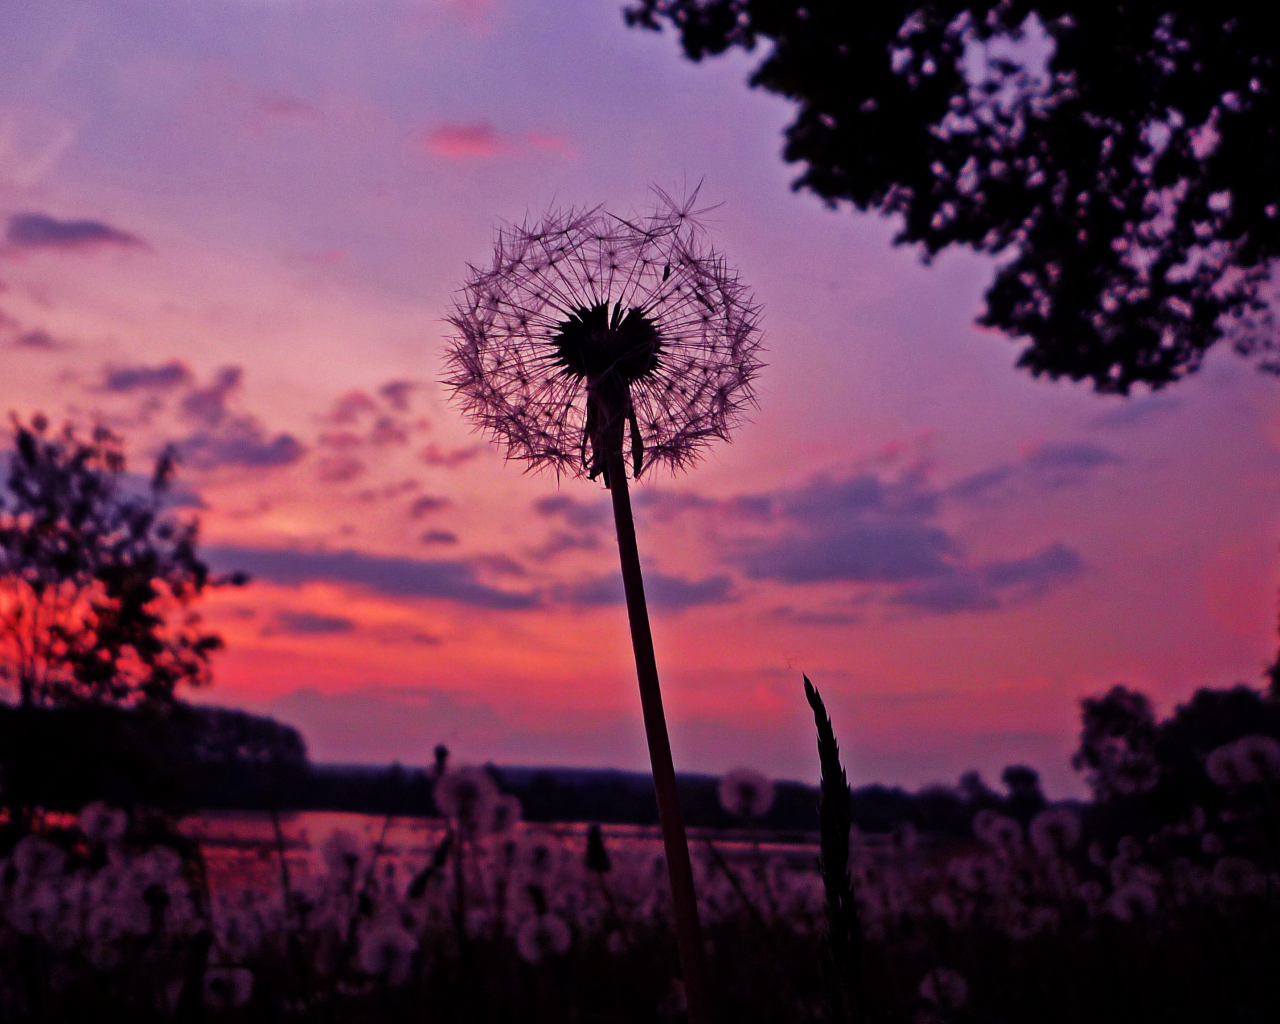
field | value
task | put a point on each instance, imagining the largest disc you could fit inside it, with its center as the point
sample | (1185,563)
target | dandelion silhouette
(592,336)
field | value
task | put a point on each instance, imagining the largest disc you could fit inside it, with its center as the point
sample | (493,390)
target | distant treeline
(186,757)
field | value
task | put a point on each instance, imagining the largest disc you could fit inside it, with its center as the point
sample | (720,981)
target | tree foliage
(1121,159)
(98,584)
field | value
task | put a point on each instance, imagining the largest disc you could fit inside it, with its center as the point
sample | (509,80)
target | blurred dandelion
(541,936)
(746,793)
(101,824)
(591,337)
(1055,831)
(945,989)
(1132,901)
(469,796)
(386,952)
(1246,760)
(227,987)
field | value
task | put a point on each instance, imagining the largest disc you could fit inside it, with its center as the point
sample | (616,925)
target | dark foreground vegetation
(1157,901)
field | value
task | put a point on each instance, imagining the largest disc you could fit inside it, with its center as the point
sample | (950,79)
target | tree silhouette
(98,584)
(1122,160)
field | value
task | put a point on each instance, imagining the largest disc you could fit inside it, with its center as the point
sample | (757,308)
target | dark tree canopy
(98,585)
(1122,159)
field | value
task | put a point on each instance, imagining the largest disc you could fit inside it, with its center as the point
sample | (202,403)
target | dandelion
(101,824)
(37,858)
(944,989)
(542,936)
(468,796)
(1055,831)
(591,337)
(1002,834)
(227,987)
(505,814)
(1238,876)
(1249,759)
(746,793)
(386,952)
(1133,901)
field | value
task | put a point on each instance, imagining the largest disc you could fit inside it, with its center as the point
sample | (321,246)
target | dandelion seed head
(1055,831)
(101,824)
(542,936)
(590,331)
(746,793)
(467,795)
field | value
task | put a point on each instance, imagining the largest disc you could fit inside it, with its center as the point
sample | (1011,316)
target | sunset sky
(238,226)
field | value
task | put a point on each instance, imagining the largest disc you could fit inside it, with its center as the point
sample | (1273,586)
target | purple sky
(239,225)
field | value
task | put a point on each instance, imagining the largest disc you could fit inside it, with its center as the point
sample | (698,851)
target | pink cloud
(479,141)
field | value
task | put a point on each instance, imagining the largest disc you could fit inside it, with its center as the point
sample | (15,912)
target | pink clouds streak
(478,140)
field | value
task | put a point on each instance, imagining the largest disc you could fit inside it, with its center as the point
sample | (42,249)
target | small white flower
(746,793)
(37,858)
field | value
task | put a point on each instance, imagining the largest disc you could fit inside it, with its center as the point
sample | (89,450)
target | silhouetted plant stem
(842,945)
(683,899)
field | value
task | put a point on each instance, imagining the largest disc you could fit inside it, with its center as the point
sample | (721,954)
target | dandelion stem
(684,901)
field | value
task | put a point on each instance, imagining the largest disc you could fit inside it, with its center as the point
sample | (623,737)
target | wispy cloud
(124,379)
(41,231)
(478,140)
(670,593)
(397,577)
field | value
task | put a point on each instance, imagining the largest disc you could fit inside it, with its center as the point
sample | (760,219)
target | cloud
(438,537)
(293,623)
(397,393)
(339,469)
(39,340)
(208,405)
(582,514)
(124,379)
(1136,411)
(477,140)
(993,585)
(427,504)
(867,552)
(240,442)
(561,541)
(40,231)
(1048,467)
(395,577)
(1071,457)
(350,407)
(434,455)
(671,593)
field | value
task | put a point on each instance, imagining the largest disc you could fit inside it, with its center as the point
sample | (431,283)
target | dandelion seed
(746,793)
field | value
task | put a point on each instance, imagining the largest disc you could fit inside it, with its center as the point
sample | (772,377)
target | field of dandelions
(478,916)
